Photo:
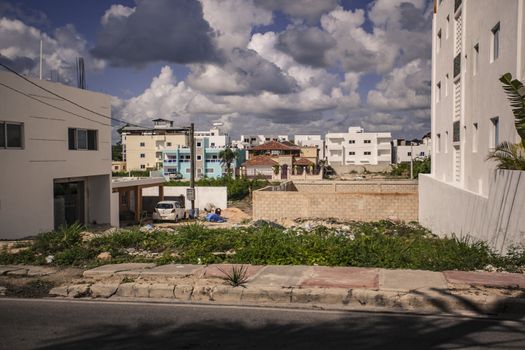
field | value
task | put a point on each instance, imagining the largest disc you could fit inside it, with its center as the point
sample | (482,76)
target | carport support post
(161,193)
(192,159)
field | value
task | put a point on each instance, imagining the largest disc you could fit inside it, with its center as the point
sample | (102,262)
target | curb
(420,301)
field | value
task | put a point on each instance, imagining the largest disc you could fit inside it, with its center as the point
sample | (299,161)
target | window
(475,138)
(142,144)
(82,139)
(212,144)
(188,170)
(367,141)
(368,153)
(446,85)
(446,141)
(11,135)
(267,139)
(199,157)
(168,144)
(438,44)
(409,154)
(456,136)
(422,154)
(495,42)
(351,141)
(447,27)
(438,92)
(438,146)
(199,144)
(142,166)
(475,61)
(209,170)
(351,153)
(494,132)
(142,155)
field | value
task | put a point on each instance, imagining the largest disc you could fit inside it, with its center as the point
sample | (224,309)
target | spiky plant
(237,277)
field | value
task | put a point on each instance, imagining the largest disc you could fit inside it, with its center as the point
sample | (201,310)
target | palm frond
(509,156)
(516,94)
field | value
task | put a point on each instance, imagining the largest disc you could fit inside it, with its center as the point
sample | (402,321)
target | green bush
(421,166)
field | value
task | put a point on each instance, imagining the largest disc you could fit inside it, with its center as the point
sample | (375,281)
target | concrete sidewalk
(452,292)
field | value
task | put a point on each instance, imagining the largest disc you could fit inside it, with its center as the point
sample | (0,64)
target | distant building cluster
(166,148)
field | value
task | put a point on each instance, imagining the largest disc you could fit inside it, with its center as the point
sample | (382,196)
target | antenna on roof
(81,73)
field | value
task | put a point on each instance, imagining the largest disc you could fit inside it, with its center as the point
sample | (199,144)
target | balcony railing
(457,64)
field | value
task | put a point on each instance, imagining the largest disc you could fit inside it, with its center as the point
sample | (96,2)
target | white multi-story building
(474,43)
(357,147)
(214,137)
(405,151)
(55,158)
(310,141)
(247,141)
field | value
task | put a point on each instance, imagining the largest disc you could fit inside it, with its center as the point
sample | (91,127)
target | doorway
(69,203)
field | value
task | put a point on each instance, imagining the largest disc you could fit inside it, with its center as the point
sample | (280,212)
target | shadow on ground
(263,329)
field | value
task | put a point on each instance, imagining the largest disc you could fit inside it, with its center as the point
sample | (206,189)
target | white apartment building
(247,141)
(142,147)
(214,137)
(357,147)
(55,158)
(474,43)
(404,151)
(311,140)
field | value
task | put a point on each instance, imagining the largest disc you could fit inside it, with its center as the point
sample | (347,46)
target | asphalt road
(55,324)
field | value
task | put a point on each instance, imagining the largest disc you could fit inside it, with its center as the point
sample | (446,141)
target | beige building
(142,148)
(118,166)
(55,158)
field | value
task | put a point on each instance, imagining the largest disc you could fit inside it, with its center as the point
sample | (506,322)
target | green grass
(377,244)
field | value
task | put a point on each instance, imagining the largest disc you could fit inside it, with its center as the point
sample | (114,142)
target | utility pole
(192,160)
(41,59)
(411,163)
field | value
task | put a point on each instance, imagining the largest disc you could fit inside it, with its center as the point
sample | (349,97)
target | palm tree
(508,155)
(227,156)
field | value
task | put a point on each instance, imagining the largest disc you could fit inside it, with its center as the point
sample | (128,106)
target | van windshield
(164,206)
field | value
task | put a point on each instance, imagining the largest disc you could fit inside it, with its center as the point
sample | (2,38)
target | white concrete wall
(498,219)
(27,175)
(218,196)
(115,206)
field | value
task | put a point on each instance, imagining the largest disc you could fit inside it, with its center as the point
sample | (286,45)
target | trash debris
(262,223)
(104,256)
(49,259)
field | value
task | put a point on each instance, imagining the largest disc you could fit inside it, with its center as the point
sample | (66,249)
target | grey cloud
(23,13)
(260,73)
(19,64)
(307,46)
(311,10)
(413,19)
(158,30)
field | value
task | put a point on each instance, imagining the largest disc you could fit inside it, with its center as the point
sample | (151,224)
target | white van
(169,210)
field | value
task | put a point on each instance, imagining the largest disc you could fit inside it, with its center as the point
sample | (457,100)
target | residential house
(403,151)
(55,157)
(311,140)
(357,147)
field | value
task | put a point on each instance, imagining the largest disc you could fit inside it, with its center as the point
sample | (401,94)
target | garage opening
(69,203)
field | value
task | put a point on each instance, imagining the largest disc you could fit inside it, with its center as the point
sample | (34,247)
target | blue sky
(297,67)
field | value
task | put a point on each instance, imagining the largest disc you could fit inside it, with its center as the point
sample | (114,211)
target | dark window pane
(71,136)
(92,139)
(455,132)
(14,135)
(2,135)
(82,139)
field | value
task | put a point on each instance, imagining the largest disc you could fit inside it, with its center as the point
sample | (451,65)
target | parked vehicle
(175,176)
(169,210)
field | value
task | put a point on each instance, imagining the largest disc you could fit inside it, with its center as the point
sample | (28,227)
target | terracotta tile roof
(260,160)
(276,146)
(303,161)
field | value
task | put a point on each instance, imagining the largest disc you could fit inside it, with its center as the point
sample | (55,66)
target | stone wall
(363,201)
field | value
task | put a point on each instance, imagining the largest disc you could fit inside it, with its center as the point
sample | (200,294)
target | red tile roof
(303,161)
(260,160)
(276,146)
